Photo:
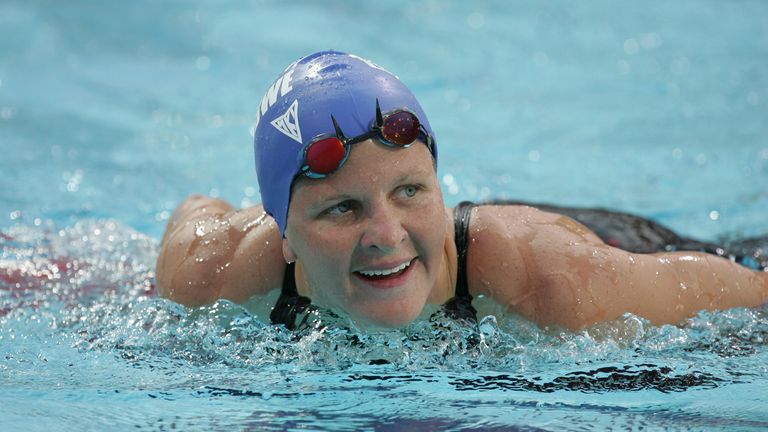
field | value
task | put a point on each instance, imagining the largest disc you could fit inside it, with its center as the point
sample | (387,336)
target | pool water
(111,114)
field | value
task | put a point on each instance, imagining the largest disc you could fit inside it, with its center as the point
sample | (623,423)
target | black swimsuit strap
(461,215)
(459,307)
(289,279)
(290,302)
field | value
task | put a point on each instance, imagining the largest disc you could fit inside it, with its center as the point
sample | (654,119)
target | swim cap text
(282,86)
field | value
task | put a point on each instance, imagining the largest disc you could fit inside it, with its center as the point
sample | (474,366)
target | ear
(288,253)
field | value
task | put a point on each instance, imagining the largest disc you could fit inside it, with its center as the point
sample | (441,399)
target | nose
(384,230)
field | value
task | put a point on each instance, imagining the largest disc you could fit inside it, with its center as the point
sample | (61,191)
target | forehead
(370,163)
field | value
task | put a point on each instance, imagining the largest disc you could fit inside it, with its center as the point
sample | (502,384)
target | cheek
(326,261)
(428,229)
(324,248)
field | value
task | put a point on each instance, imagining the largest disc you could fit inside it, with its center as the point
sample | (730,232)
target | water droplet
(203,63)
(475,20)
(631,46)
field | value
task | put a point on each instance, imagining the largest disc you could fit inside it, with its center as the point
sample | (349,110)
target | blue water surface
(112,113)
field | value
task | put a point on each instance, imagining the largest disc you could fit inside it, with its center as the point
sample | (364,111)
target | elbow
(181,277)
(187,288)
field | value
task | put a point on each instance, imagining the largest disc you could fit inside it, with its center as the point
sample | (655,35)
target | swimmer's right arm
(212,251)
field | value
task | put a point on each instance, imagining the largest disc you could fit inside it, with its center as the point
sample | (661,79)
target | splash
(91,286)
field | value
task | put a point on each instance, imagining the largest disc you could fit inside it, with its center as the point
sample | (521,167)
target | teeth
(401,267)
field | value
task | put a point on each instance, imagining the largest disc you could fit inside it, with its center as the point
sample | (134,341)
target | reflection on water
(609,378)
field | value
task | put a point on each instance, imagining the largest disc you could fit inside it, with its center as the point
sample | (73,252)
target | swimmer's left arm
(554,271)
(677,285)
(592,283)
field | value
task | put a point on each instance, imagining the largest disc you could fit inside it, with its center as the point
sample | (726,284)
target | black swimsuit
(639,235)
(622,230)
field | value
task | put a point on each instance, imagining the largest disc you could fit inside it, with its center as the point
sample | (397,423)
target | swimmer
(353,219)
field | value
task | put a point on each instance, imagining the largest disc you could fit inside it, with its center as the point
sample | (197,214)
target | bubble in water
(631,46)
(202,63)
(475,20)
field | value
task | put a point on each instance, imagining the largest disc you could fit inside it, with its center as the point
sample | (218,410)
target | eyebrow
(343,196)
(411,174)
(403,178)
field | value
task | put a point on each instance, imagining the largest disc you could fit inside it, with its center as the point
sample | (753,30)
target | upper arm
(211,251)
(553,270)
(508,246)
(520,257)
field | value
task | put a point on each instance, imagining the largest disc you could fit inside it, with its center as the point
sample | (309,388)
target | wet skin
(384,209)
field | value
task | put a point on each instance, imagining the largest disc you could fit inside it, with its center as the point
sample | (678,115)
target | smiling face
(371,238)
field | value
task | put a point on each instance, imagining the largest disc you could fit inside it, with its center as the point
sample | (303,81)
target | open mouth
(385,274)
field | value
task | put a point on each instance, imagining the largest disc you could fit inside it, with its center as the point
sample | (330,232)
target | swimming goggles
(325,154)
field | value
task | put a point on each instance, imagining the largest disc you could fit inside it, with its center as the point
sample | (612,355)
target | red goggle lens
(401,128)
(325,156)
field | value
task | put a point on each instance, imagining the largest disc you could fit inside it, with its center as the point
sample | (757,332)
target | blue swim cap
(298,107)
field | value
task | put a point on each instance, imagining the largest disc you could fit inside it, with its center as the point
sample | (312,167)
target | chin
(389,317)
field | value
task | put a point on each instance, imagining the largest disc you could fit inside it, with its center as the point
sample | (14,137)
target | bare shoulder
(553,270)
(512,249)
(496,229)
(211,250)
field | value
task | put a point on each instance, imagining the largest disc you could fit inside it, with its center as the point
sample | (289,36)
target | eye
(410,191)
(340,208)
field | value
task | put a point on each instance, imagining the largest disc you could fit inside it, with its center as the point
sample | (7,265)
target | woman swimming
(353,218)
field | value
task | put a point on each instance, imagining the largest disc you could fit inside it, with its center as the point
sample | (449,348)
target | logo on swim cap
(281,87)
(288,123)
